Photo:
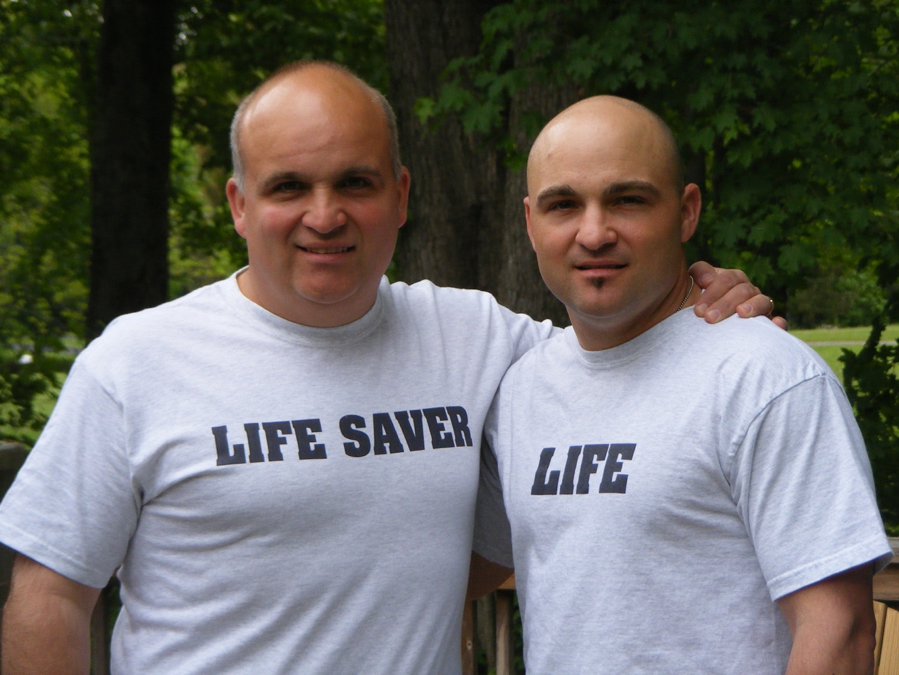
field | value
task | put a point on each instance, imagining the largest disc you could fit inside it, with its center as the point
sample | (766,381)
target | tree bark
(466,226)
(130,151)
(454,181)
(518,284)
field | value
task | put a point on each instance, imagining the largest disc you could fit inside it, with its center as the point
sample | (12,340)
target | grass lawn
(890,334)
(831,353)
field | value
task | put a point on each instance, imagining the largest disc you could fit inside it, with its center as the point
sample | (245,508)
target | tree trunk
(130,151)
(454,181)
(518,284)
(466,226)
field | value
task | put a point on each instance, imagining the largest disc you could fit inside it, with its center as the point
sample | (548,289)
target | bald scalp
(308,70)
(596,110)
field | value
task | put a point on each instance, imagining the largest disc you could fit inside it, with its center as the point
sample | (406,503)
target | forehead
(593,150)
(320,115)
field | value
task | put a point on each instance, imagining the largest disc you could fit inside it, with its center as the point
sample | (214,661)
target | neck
(303,311)
(595,333)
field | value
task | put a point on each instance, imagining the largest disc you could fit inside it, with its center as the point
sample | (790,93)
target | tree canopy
(48,94)
(786,114)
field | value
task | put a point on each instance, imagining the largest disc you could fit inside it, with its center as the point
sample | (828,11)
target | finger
(728,302)
(703,273)
(780,322)
(718,283)
(758,305)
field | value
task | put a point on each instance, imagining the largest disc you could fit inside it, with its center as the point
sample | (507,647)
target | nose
(324,213)
(596,229)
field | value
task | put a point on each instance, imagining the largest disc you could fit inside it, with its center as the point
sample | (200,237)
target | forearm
(46,629)
(833,627)
(846,652)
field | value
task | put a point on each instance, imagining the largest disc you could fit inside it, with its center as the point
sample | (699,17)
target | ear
(403,185)
(236,201)
(691,205)
(527,219)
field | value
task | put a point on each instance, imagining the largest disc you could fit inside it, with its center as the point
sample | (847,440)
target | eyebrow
(362,169)
(555,191)
(630,185)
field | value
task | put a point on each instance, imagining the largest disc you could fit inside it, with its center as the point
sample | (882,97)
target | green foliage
(871,379)
(43,169)
(44,200)
(28,389)
(203,246)
(835,297)
(786,112)
(47,80)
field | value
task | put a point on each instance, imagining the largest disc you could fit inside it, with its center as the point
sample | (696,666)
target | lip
(600,268)
(326,251)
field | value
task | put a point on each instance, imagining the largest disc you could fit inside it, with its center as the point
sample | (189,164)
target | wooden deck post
(504,651)
(468,665)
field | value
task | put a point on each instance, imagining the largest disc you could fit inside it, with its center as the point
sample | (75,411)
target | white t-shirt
(276,498)
(662,494)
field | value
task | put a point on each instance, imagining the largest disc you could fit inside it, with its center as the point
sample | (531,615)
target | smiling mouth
(326,251)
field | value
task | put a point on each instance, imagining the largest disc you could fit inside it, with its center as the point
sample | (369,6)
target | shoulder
(425,293)
(134,336)
(472,312)
(756,345)
(549,361)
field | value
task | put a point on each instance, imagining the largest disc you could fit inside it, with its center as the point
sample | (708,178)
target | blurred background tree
(786,114)
(66,96)
(46,62)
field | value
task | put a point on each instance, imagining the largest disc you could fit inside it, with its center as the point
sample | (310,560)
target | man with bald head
(682,498)
(281,467)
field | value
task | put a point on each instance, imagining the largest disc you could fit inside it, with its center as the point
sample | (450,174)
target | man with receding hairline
(281,467)
(682,498)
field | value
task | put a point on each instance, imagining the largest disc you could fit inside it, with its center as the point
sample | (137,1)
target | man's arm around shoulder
(46,622)
(833,625)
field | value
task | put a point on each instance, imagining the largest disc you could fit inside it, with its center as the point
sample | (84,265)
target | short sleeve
(526,332)
(73,506)
(803,486)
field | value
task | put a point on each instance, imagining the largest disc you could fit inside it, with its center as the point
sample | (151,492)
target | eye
(288,186)
(629,200)
(562,205)
(355,183)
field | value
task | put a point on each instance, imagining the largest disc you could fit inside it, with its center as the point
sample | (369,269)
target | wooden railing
(488,623)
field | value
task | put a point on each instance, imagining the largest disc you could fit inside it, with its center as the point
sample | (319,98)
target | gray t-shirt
(662,494)
(276,498)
